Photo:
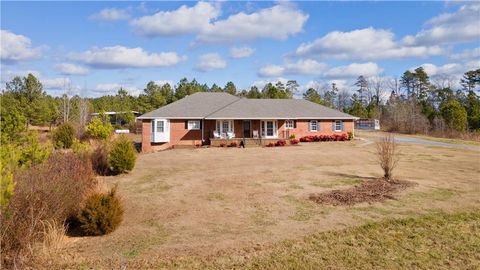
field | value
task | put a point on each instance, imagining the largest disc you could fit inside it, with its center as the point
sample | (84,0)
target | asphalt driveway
(371,137)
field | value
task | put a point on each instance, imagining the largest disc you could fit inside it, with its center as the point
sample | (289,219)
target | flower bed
(324,138)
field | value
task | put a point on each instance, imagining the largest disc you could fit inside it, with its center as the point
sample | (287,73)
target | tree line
(413,103)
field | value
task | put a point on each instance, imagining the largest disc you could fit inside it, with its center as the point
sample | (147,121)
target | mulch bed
(368,191)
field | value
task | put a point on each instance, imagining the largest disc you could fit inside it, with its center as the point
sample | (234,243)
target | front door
(246,128)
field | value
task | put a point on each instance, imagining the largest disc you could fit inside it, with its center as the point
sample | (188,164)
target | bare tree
(388,155)
(342,100)
(393,85)
(376,89)
(66,101)
(442,81)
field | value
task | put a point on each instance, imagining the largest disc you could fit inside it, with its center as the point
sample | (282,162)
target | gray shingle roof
(195,106)
(277,109)
(226,106)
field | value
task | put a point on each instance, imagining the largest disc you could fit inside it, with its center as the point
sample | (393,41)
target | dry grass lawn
(198,205)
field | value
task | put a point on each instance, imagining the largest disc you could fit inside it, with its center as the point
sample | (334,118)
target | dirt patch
(368,191)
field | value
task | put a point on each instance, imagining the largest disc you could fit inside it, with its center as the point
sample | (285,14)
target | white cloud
(354,70)
(55,83)
(111,14)
(277,22)
(301,67)
(241,52)
(112,89)
(467,54)
(71,69)
(460,26)
(15,48)
(163,82)
(184,20)
(260,84)
(123,57)
(363,44)
(211,61)
(448,74)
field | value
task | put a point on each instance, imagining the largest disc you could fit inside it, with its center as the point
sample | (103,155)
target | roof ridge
(238,99)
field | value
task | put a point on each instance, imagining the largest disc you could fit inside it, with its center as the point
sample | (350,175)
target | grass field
(249,208)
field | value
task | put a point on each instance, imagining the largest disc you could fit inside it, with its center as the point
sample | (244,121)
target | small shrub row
(324,138)
(279,143)
(294,141)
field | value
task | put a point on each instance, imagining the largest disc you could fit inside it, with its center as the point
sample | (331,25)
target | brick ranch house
(214,118)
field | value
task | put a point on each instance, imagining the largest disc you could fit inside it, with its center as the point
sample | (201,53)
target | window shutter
(186,124)
(294,123)
(318,125)
(201,121)
(342,126)
(310,125)
(333,125)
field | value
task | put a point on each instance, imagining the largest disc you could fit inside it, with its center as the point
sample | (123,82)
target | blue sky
(93,48)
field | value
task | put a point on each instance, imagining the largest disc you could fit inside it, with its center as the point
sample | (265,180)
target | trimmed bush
(122,155)
(63,136)
(270,145)
(98,129)
(102,214)
(233,144)
(293,141)
(281,143)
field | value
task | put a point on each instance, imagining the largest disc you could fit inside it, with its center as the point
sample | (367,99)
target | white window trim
(263,129)
(292,122)
(341,124)
(219,126)
(157,126)
(316,126)
(192,123)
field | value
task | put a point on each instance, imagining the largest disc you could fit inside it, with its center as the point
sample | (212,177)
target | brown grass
(206,203)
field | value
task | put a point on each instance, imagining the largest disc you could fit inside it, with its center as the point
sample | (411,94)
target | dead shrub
(99,159)
(388,156)
(102,214)
(49,192)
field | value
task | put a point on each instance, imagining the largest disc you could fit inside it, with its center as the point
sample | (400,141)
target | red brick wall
(325,128)
(146,126)
(179,135)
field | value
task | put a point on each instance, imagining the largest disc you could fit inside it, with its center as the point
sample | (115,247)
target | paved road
(412,140)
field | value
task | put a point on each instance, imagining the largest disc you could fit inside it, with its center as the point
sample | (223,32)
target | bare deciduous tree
(388,155)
